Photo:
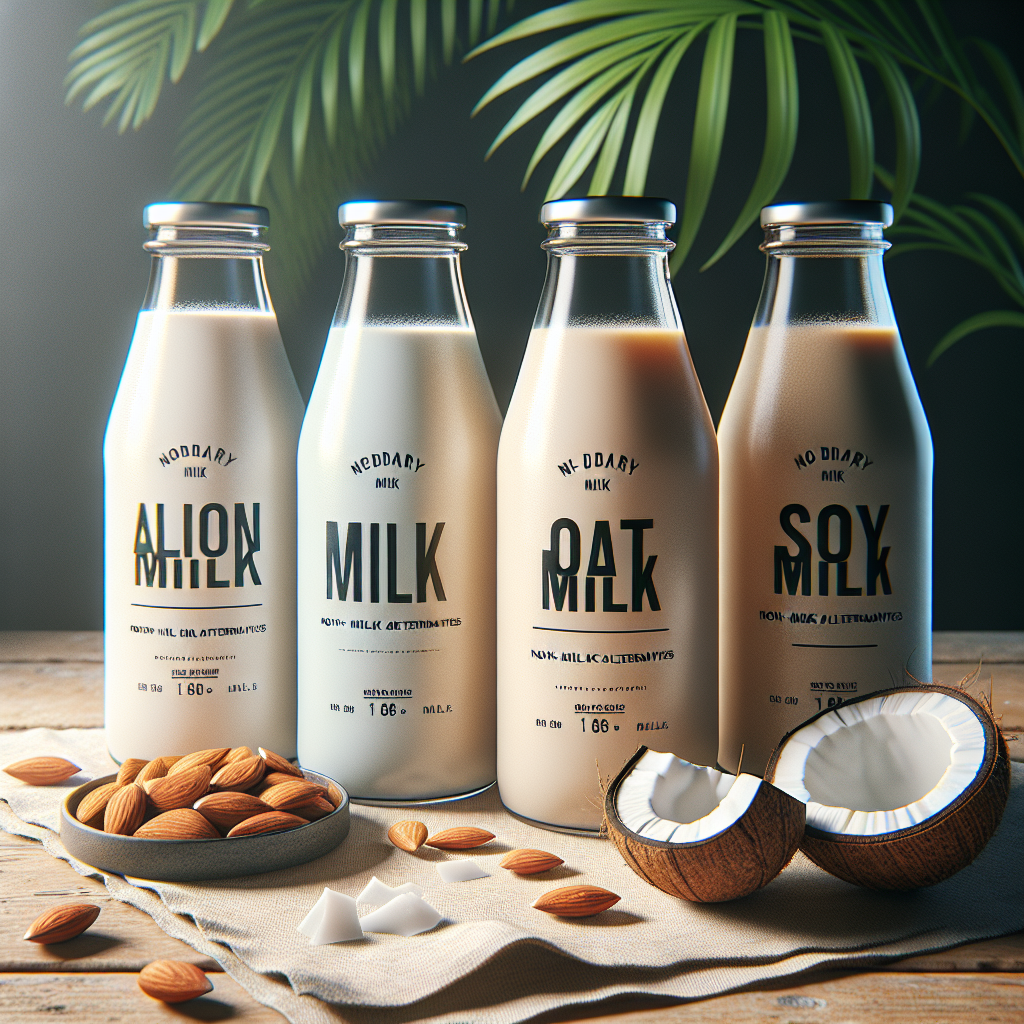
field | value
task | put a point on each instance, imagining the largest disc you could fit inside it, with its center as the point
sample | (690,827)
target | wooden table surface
(56,680)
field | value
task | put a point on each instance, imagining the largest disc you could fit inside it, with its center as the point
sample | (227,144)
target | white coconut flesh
(914,754)
(672,801)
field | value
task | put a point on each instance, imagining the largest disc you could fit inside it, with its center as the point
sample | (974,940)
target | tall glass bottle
(607,523)
(396,520)
(826,520)
(199,499)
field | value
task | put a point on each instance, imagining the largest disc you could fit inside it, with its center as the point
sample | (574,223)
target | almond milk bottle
(826,516)
(607,523)
(396,521)
(199,500)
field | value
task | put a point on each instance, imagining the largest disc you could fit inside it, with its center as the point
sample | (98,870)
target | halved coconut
(699,833)
(903,787)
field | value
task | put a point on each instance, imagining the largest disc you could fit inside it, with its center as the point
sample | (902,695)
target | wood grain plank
(1004,954)
(1005,684)
(846,999)
(993,648)
(51,695)
(51,645)
(109,998)
(122,938)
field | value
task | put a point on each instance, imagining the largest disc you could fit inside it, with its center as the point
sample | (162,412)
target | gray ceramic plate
(197,860)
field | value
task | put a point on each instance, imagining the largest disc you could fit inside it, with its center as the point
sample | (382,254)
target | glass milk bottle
(826,521)
(396,520)
(199,500)
(607,523)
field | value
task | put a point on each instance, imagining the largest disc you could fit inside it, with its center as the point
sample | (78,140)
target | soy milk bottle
(607,523)
(826,516)
(397,520)
(199,500)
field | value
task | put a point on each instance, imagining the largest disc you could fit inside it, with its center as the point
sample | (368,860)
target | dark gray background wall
(72,274)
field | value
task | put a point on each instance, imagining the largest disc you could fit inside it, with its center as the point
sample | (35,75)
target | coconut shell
(934,849)
(734,863)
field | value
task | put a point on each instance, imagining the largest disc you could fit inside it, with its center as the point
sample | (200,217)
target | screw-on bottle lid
(609,209)
(838,211)
(404,211)
(203,214)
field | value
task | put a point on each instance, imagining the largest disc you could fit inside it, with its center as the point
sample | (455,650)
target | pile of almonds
(206,795)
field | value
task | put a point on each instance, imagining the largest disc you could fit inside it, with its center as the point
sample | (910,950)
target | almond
(173,981)
(286,795)
(236,754)
(181,823)
(58,924)
(529,862)
(225,810)
(272,821)
(182,789)
(125,811)
(276,763)
(239,775)
(42,771)
(130,769)
(408,835)
(155,769)
(461,838)
(317,808)
(276,778)
(94,803)
(576,901)
(334,793)
(210,758)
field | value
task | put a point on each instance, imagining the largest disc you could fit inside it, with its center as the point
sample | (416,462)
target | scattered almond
(286,795)
(272,821)
(576,901)
(182,789)
(94,803)
(530,862)
(129,770)
(208,758)
(125,811)
(227,809)
(155,769)
(239,775)
(58,924)
(42,771)
(276,763)
(173,981)
(461,838)
(180,823)
(408,835)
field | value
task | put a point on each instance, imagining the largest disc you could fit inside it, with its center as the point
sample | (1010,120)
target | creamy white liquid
(396,686)
(197,655)
(579,690)
(802,393)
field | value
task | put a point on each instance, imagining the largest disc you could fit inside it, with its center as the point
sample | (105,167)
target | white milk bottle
(607,523)
(199,500)
(396,520)
(826,514)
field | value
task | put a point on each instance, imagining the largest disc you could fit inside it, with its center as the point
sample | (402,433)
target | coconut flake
(332,919)
(377,893)
(407,914)
(464,870)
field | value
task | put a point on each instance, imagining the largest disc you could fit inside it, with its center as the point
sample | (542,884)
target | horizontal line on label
(555,629)
(599,712)
(196,607)
(381,696)
(836,646)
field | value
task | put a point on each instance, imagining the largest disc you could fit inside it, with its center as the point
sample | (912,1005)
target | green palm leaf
(780,127)
(978,322)
(583,149)
(908,128)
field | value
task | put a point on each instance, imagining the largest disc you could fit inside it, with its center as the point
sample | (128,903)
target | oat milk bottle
(826,522)
(396,520)
(199,500)
(607,523)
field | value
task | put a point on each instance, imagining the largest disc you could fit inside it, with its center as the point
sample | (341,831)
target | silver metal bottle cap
(838,211)
(203,214)
(405,211)
(623,209)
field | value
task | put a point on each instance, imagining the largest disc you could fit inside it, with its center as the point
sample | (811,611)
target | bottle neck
(607,275)
(401,274)
(824,274)
(207,268)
